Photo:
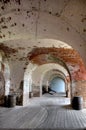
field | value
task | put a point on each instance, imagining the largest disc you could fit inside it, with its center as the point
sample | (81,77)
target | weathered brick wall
(80,90)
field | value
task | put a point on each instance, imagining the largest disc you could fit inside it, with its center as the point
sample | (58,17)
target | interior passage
(45,113)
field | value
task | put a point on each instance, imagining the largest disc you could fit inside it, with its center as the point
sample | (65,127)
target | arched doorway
(40,56)
(49,76)
(57,86)
(37,74)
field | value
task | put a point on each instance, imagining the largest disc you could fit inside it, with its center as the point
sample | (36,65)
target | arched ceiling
(29,24)
(66,57)
(39,73)
(19,49)
(52,74)
(23,22)
(44,55)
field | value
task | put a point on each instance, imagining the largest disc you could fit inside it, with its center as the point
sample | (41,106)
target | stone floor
(43,113)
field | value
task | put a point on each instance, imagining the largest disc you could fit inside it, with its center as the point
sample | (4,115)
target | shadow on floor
(68,107)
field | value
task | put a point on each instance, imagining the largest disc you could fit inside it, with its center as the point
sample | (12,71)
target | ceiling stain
(21,48)
(50,12)
(4,27)
(23,58)
(44,30)
(35,46)
(2,7)
(83,20)
(23,25)
(14,24)
(84,30)
(7,50)
(0,36)
(57,14)
(18,9)
(9,1)
(4,20)
(67,28)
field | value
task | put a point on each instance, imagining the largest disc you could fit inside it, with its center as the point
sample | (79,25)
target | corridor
(43,113)
(42,64)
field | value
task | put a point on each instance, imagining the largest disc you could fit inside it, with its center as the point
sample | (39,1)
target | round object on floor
(77,102)
(11,100)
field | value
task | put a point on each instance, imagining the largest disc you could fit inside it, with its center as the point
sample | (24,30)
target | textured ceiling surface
(26,25)
(23,22)
(69,56)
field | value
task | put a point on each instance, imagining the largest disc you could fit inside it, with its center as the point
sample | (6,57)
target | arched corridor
(42,61)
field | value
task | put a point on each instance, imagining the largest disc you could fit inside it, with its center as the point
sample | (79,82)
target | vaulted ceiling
(28,25)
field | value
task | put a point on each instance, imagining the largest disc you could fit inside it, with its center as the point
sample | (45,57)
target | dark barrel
(77,102)
(6,101)
(11,100)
